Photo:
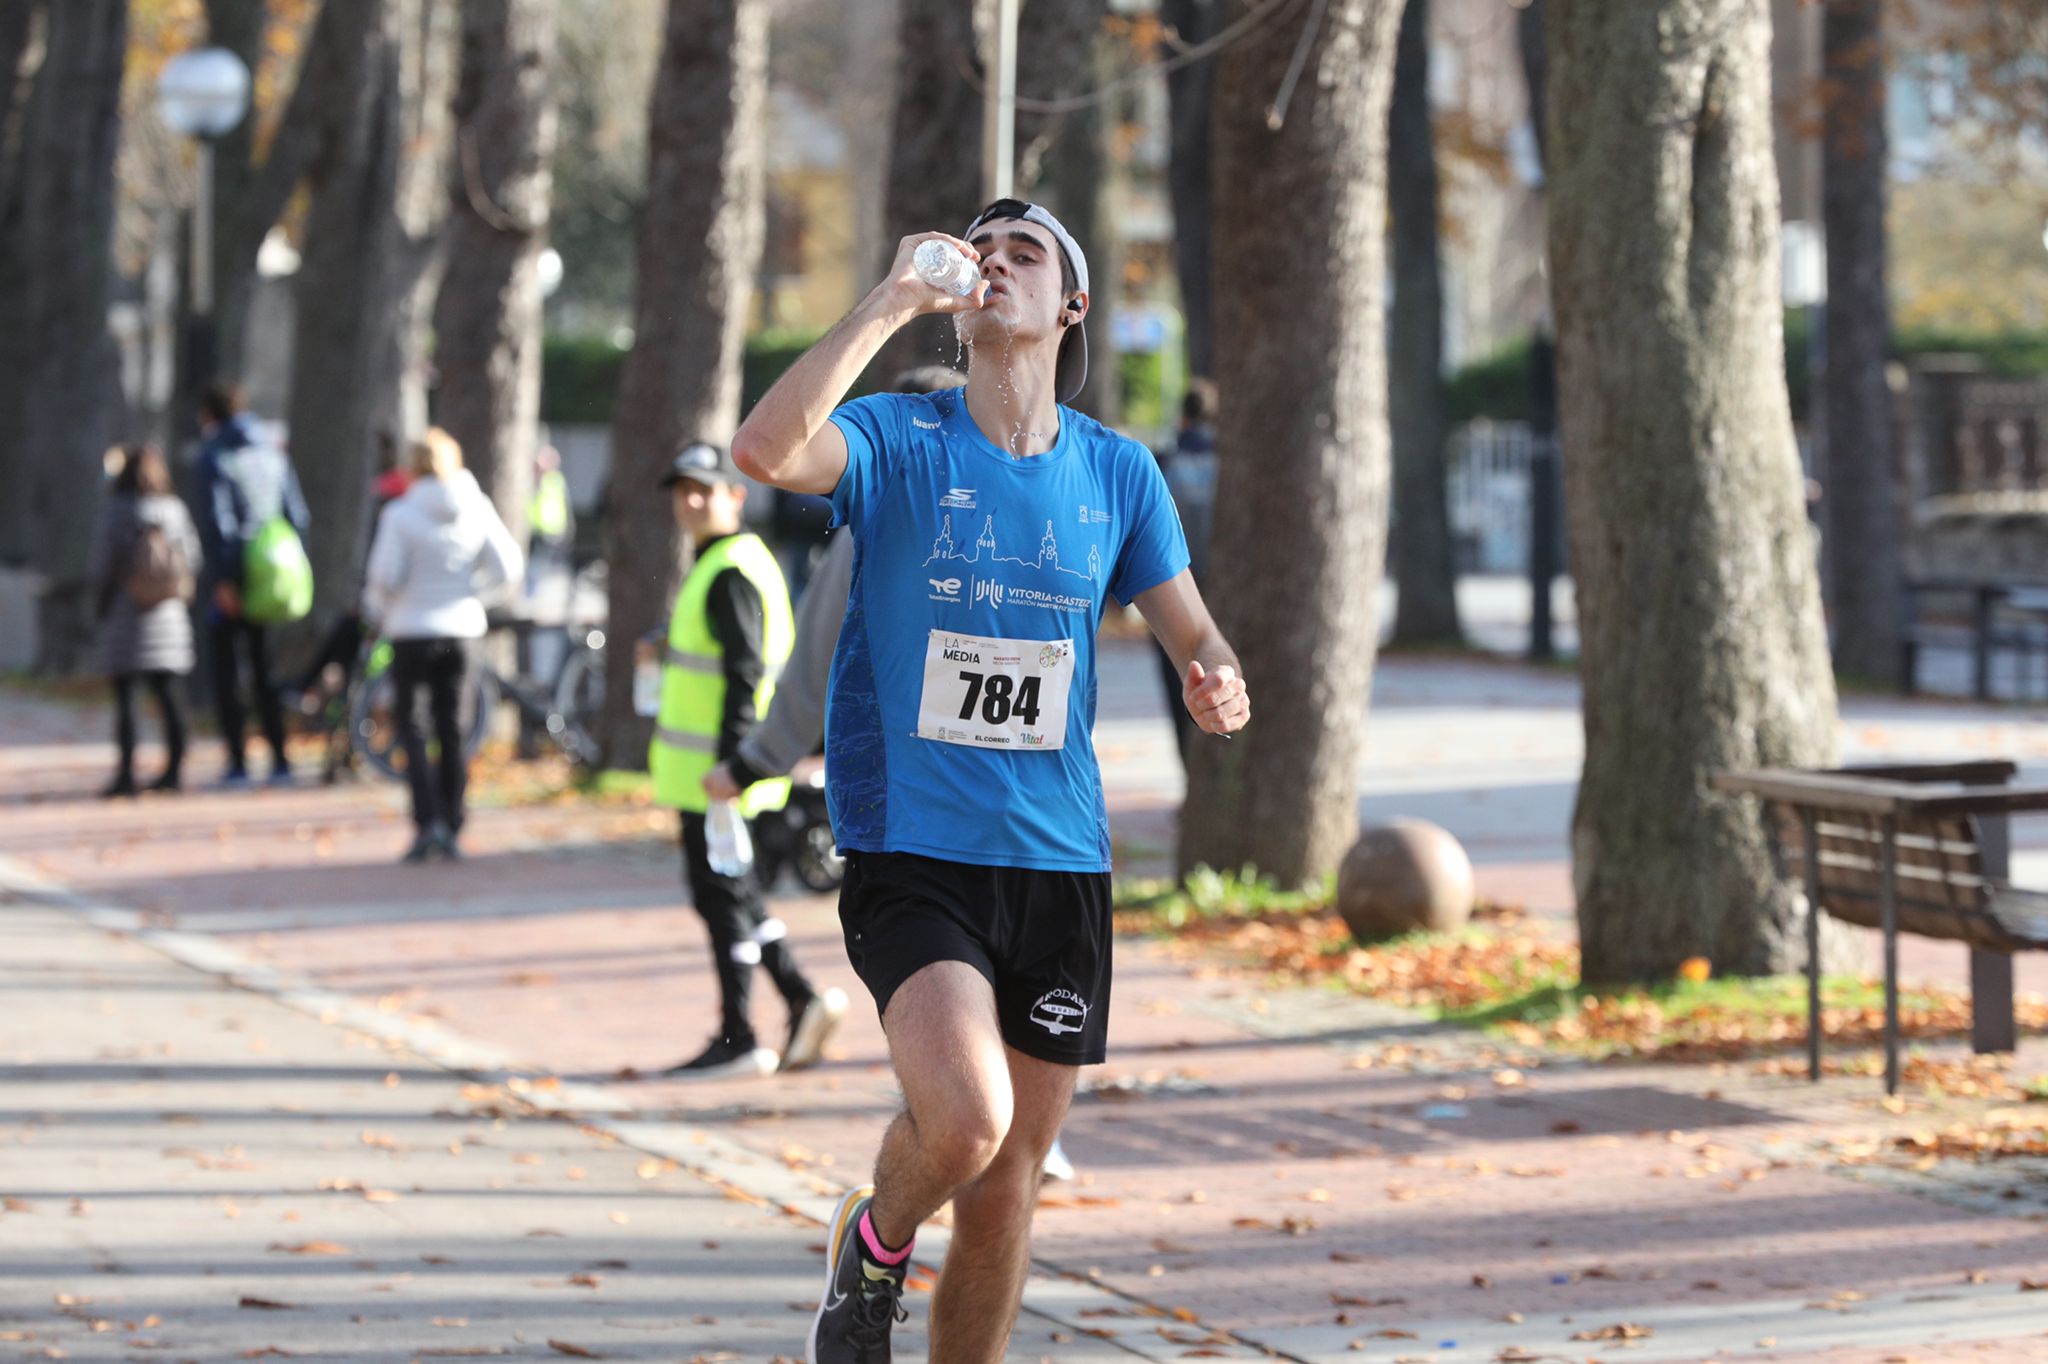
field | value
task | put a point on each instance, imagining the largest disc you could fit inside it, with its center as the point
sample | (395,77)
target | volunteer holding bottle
(729,635)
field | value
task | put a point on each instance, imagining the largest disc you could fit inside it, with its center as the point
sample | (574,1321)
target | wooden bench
(1908,849)
(2003,616)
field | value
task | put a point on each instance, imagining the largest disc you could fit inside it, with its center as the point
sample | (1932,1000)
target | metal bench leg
(1992,1025)
(1980,660)
(1889,902)
(1813,1029)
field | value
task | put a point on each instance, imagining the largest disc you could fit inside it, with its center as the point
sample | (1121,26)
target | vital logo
(945,589)
(1060,1012)
(958,497)
(1031,740)
(987,591)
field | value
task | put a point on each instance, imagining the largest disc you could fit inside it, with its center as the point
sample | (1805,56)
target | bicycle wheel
(579,697)
(373,719)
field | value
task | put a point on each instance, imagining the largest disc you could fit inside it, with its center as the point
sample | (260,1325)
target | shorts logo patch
(1060,1011)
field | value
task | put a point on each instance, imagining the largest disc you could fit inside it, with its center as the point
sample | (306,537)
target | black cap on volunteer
(701,462)
(1072,370)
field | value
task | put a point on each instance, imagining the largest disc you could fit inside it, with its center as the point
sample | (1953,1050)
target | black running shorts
(1041,938)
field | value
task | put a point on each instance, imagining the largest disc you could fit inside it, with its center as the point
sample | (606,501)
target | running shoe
(863,1300)
(724,1060)
(812,1027)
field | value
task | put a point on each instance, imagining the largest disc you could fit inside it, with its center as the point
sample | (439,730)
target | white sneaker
(811,1029)
(1057,1166)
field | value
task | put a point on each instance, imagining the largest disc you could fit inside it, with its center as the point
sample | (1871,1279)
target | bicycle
(565,713)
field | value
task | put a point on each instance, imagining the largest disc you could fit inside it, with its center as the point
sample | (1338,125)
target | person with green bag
(252,525)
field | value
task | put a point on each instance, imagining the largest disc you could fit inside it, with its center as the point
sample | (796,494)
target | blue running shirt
(974,572)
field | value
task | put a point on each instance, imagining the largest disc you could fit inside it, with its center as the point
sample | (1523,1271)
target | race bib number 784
(996,693)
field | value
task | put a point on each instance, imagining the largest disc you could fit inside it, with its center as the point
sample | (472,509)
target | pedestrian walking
(249,498)
(145,560)
(729,638)
(1190,469)
(991,526)
(551,523)
(440,549)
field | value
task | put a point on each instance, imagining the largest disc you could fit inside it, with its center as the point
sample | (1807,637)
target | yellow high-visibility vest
(685,744)
(547,511)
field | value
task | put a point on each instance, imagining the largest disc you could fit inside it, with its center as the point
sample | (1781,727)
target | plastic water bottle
(944,266)
(727,845)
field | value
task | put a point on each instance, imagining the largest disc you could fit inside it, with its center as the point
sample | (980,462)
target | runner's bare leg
(982,1282)
(950,1059)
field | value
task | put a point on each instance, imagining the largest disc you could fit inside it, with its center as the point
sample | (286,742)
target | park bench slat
(1914,834)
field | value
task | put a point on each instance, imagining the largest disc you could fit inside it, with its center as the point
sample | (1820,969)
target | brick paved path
(1241,1167)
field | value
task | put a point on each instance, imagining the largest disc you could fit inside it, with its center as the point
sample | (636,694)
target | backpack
(157,571)
(277,577)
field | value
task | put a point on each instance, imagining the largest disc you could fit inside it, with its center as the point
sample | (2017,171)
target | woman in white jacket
(440,550)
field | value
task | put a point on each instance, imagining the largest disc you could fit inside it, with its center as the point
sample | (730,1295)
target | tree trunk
(73,408)
(934,156)
(1425,565)
(239,26)
(700,239)
(1302,497)
(1082,174)
(360,276)
(1863,492)
(1056,42)
(250,195)
(1189,93)
(488,324)
(1699,604)
(18,55)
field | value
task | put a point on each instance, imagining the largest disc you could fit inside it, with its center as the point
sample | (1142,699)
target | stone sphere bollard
(1403,877)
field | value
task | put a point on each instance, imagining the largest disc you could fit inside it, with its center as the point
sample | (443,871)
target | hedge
(1497,386)
(579,381)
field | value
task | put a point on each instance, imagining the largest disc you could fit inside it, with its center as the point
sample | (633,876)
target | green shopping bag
(277,577)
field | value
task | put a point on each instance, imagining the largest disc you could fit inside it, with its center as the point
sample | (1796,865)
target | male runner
(991,527)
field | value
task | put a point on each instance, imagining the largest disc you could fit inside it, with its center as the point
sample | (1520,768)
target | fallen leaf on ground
(310,1248)
(1625,1330)
(269,1304)
(563,1347)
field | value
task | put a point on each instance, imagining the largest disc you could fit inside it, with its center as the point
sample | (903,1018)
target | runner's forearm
(797,406)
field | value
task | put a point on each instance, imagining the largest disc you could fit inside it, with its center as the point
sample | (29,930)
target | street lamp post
(203,94)
(999,107)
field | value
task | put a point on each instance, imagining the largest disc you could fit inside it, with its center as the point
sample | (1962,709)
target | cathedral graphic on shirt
(983,551)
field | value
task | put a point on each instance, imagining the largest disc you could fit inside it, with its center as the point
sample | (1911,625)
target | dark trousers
(230,641)
(164,687)
(733,912)
(437,667)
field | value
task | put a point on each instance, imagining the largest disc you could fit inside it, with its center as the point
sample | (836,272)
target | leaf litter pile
(1514,976)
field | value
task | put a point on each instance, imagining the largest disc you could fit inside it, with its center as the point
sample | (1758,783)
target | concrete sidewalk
(195,1171)
(1267,1169)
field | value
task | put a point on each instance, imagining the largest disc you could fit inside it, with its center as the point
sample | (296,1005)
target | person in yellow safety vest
(550,520)
(729,635)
